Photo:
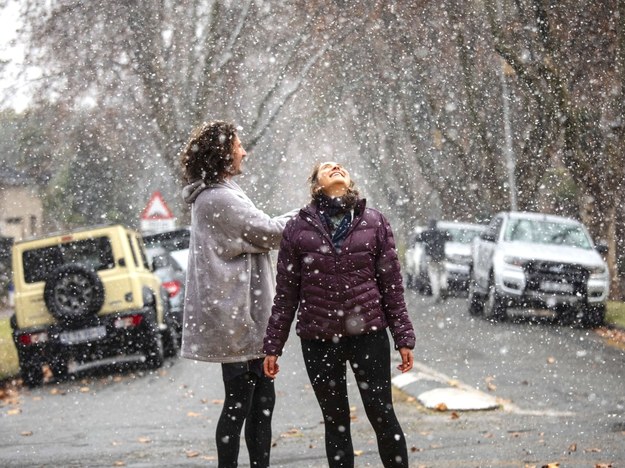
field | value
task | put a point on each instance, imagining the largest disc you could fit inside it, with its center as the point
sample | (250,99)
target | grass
(9,365)
(615,313)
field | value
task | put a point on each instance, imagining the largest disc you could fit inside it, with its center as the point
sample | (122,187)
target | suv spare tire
(73,293)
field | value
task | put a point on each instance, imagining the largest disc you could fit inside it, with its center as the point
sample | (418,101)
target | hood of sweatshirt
(191,191)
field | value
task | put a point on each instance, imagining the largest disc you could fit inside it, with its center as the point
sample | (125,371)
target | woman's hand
(407,360)
(271,367)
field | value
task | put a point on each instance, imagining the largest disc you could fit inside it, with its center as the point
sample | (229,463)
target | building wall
(21,212)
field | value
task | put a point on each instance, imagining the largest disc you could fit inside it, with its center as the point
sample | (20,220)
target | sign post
(156,216)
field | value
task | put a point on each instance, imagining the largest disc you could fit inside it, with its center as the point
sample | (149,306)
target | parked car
(534,260)
(176,242)
(173,278)
(86,296)
(457,257)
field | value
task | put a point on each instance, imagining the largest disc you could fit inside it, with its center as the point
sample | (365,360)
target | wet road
(561,392)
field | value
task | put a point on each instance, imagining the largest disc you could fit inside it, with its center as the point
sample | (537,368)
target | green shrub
(615,313)
(9,364)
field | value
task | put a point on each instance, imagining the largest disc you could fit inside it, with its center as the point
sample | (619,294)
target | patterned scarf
(337,214)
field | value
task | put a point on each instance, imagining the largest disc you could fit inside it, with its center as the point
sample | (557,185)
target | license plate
(554,286)
(80,336)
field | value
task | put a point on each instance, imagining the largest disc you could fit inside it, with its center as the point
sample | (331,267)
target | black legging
(249,399)
(369,357)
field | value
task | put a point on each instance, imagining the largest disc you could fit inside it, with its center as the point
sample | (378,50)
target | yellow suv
(84,296)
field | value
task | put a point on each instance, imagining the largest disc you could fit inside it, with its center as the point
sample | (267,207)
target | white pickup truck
(538,261)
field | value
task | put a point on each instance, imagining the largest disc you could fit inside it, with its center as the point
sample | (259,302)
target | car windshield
(547,232)
(463,235)
(93,253)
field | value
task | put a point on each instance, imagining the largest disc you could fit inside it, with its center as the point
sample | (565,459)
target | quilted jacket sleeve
(286,299)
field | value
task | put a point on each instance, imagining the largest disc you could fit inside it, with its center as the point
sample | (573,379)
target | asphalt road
(560,394)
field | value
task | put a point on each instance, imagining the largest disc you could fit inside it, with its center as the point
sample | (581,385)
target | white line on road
(423,372)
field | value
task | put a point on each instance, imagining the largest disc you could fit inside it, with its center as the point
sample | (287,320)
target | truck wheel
(59,367)
(495,308)
(594,316)
(31,371)
(476,302)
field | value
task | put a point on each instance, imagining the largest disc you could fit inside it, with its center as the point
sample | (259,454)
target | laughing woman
(338,268)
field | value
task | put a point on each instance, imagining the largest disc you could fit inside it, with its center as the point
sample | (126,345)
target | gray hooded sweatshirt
(230,277)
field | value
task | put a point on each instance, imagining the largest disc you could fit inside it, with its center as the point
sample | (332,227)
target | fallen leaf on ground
(119,463)
(603,465)
(14,411)
(192,453)
(551,465)
(293,432)
(26,433)
(358,453)
(592,450)
(191,414)
(144,440)
(573,448)
(551,360)
(217,402)
(84,389)
(441,407)
(455,415)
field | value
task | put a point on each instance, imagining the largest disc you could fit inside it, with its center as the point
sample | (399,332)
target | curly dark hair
(207,155)
(350,197)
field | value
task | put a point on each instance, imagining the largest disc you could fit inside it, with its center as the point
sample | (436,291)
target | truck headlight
(516,261)
(598,270)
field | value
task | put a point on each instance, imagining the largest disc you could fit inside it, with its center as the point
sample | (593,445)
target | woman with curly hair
(230,286)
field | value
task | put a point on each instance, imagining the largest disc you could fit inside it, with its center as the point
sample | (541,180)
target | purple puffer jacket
(352,292)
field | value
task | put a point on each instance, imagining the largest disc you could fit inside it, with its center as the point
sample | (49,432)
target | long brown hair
(207,155)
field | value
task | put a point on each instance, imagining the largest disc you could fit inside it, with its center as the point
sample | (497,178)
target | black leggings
(249,398)
(369,357)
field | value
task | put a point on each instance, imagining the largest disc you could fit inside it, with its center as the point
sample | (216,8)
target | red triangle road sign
(157,208)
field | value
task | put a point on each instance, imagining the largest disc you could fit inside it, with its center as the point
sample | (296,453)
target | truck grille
(556,278)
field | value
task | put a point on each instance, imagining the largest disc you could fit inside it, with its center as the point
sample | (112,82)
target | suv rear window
(94,253)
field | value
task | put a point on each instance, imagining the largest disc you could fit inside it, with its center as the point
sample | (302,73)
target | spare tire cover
(73,292)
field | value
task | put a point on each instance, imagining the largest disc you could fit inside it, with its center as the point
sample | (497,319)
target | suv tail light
(172,287)
(129,321)
(28,339)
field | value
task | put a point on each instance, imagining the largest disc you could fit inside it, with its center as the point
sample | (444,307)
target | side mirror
(487,236)
(602,248)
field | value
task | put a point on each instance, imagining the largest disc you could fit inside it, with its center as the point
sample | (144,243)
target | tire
(59,368)
(171,341)
(153,344)
(73,293)
(495,307)
(475,301)
(31,371)
(594,316)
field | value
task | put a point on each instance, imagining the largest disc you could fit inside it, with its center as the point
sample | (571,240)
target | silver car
(457,256)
